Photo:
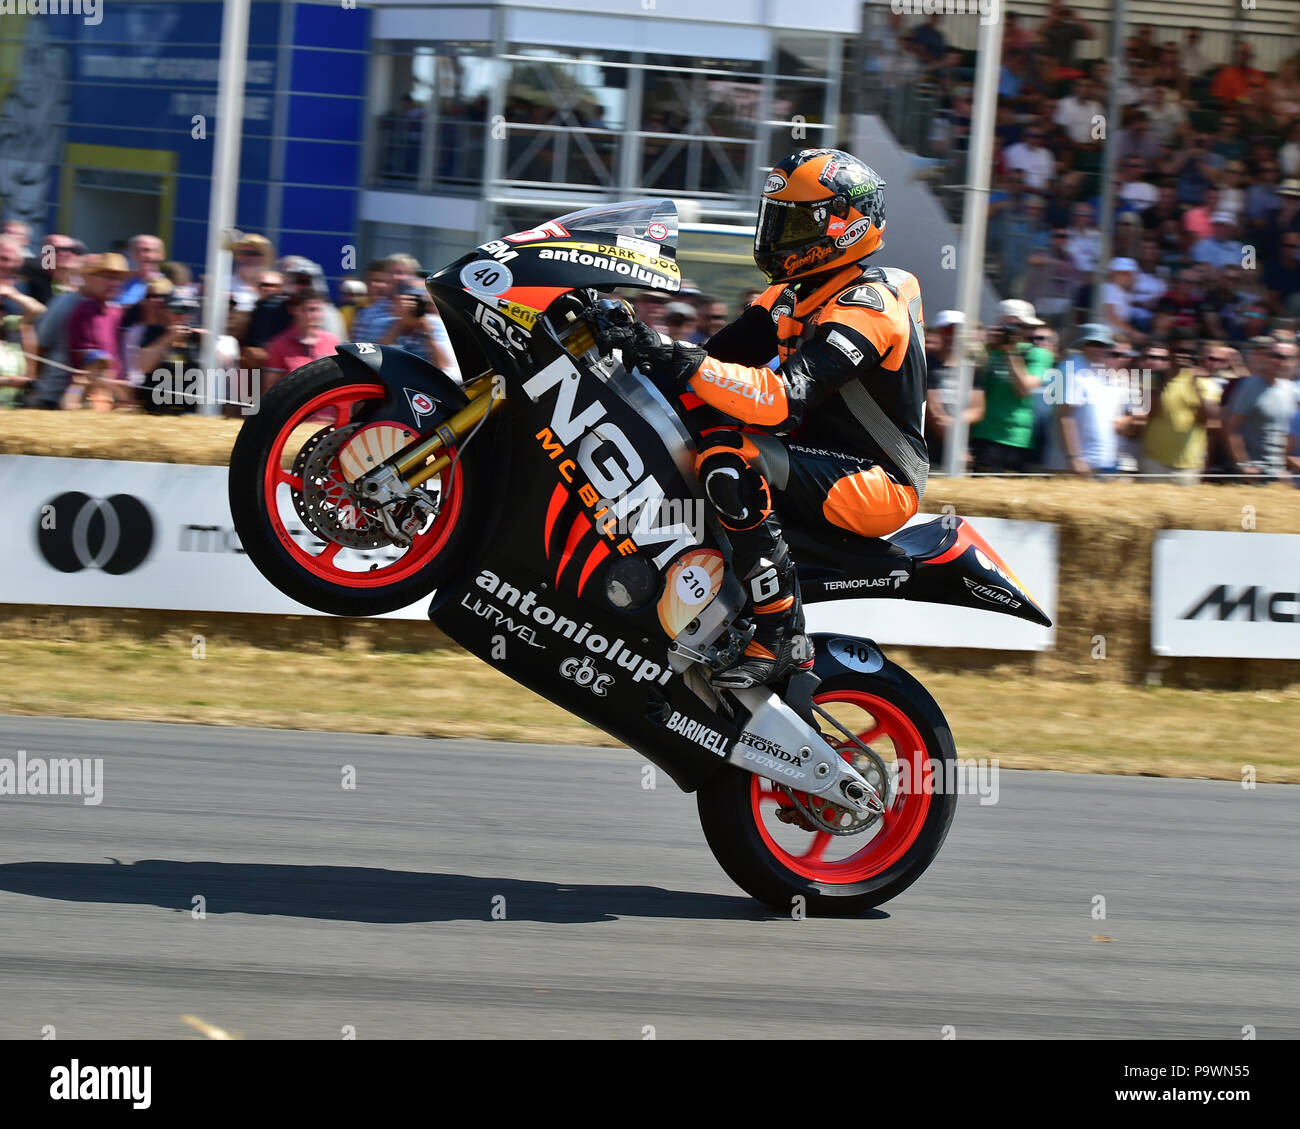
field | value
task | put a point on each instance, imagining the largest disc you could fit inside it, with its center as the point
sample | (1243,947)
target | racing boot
(779,646)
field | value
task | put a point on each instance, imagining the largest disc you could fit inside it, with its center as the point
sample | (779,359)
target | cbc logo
(75,531)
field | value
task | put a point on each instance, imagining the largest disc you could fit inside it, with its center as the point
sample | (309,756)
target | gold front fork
(483,400)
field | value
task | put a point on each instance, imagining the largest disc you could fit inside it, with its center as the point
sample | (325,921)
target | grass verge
(1023,721)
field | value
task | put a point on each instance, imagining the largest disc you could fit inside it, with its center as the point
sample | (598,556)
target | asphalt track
(373,908)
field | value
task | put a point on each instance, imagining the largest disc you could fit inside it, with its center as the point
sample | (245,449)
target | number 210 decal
(691,582)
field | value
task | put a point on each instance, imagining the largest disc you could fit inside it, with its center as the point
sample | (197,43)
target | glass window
(802,56)
(564,115)
(430,113)
(697,131)
(693,63)
(806,99)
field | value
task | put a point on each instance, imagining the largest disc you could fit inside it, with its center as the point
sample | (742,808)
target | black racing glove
(673,362)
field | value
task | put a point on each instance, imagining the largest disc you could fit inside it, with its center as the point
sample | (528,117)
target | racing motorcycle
(550,504)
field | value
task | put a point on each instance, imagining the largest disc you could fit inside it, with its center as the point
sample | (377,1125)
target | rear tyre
(270,501)
(843,875)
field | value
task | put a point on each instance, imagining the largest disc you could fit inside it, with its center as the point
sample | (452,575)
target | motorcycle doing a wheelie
(551,506)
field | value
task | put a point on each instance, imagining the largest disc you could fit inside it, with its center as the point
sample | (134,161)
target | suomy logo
(774,183)
(853,233)
(75,531)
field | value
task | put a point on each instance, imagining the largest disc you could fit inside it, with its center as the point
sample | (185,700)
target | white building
(489,117)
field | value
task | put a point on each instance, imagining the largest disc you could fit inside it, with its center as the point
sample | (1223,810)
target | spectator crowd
(1184,365)
(116,331)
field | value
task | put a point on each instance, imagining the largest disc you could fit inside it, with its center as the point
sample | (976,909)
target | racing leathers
(830,436)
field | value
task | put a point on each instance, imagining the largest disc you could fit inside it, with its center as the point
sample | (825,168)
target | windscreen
(654,221)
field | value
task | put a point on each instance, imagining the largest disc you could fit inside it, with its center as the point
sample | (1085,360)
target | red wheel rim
(424,547)
(897,829)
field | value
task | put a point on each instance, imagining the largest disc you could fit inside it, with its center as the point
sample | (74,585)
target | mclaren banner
(1229,595)
(90,533)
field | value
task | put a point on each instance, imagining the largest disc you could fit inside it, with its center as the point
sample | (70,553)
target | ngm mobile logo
(617,483)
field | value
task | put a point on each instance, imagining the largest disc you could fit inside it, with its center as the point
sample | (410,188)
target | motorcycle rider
(825,374)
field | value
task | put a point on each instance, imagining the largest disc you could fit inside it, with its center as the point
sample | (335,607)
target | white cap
(944,318)
(1019,310)
(1223,217)
(1123,264)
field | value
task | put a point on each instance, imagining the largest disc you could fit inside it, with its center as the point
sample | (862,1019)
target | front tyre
(765,843)
(289,474)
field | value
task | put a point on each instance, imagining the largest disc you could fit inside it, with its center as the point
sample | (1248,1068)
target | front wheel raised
(764,839)
(297,520)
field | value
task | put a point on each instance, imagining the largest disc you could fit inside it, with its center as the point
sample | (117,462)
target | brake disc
(326,503)
(817,813)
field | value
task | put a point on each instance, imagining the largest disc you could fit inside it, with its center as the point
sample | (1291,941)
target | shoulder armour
(862,296)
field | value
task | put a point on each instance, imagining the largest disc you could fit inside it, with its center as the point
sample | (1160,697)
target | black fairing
(534,603)
(405,378)
(943,561)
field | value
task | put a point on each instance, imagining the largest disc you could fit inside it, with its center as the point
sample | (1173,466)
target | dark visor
(782,226)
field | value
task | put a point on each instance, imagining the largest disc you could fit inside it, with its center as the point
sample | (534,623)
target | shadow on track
(346,893)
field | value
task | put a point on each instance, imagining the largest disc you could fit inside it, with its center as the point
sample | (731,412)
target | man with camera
(1184,408)
(305,340)
(167,351)
(417,328)
(1004,439)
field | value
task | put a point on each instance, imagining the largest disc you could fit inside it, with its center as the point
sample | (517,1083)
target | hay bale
(1106,535)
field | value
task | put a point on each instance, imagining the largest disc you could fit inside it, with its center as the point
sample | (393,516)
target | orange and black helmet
(821,208)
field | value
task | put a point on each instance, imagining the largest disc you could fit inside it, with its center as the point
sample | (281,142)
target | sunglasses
(1041,337)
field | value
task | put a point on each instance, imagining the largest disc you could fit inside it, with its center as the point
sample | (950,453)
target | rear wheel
(774,843)
(290,471)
